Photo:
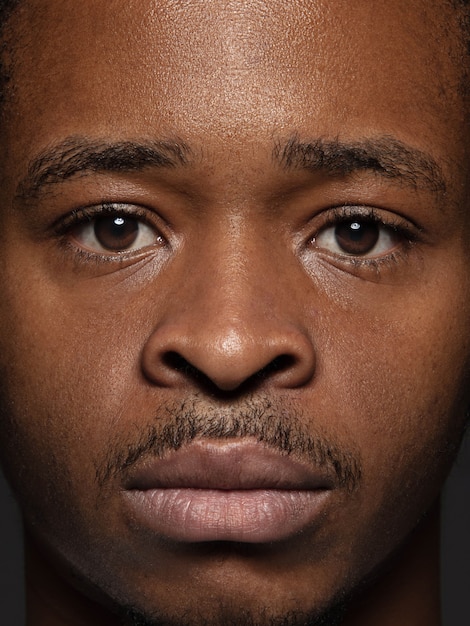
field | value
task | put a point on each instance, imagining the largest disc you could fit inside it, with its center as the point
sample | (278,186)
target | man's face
(235,293)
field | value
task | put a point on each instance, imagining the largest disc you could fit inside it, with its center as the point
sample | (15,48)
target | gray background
(455,549)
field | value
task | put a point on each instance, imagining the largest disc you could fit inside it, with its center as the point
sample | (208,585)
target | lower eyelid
(81,256)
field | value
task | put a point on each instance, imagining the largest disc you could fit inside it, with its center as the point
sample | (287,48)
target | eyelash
(406,231)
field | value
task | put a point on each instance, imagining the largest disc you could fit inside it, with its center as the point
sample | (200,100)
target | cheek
(71,390)
(69,375)
(401,394)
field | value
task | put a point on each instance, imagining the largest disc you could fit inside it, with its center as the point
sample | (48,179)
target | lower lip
(250,515)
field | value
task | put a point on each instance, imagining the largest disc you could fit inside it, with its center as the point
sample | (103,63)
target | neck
(407,593)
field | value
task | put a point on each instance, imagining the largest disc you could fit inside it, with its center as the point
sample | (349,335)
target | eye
(114,233)
(358,236)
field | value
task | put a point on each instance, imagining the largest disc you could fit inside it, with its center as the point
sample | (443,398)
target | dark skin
(249,218)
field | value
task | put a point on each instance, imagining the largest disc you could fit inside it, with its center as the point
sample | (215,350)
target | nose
(228,358)
(230,331)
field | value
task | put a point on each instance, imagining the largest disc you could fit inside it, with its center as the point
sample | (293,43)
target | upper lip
(227,465)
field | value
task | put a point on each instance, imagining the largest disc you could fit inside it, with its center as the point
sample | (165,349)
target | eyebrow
(78,155)
(384,155)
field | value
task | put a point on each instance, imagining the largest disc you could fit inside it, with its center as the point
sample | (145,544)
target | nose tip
(230,360)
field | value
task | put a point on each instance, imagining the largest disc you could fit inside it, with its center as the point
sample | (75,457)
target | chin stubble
(333,615)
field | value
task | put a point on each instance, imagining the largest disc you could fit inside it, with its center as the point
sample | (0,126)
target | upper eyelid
(328,216)
(94,211)
(387,219)
(350,211)
(109,208)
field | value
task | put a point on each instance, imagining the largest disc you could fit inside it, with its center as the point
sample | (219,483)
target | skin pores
(237,142)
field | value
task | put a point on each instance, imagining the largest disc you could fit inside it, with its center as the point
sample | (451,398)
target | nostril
(279,364)
(178,363)
(174,360)
(174,356)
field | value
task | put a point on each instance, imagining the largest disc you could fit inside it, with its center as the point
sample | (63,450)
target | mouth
(237,491)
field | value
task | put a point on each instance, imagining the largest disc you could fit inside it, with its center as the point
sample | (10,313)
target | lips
(237,491)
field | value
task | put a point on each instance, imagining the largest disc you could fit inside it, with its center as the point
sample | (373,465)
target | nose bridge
(235,285)
(232,316)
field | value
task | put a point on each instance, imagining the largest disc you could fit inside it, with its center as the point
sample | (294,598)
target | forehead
(231,71)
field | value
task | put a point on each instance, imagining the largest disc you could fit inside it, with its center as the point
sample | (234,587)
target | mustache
(178,424)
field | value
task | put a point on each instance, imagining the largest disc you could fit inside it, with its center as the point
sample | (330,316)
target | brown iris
(116,232)
(354,237)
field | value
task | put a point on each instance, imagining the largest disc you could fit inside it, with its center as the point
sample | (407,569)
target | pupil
(116,233)
(357,237)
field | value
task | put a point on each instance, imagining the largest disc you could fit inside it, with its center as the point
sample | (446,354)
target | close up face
(235,293)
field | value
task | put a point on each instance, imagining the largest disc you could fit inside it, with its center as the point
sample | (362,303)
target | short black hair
(6,9)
